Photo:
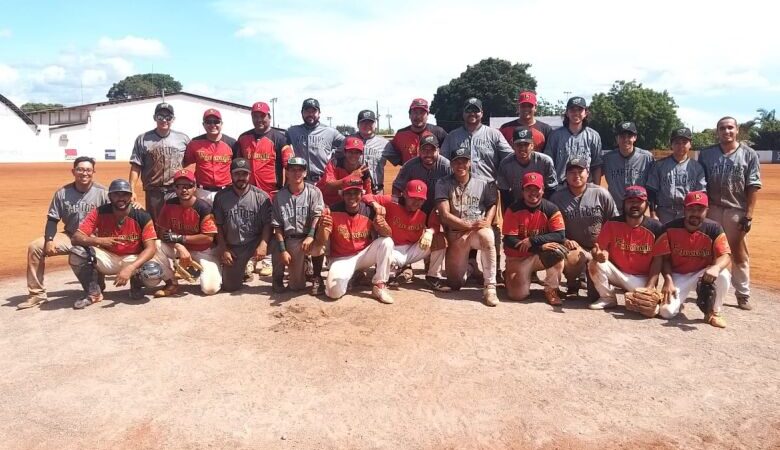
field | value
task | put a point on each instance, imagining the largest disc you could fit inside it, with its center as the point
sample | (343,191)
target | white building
(22,136)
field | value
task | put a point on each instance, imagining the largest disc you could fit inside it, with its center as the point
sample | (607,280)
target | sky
(716,58)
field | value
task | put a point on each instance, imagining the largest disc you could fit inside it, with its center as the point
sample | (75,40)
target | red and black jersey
(630,248)
(267,154)
(407,226)
(212,160)
(407,142)
(132,230)
(188,221)
(542,224)
(692,252)
(336,170)
(539,131)
(351,233)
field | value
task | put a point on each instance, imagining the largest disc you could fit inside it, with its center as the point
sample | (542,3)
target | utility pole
(566,94)
(378,116)
(273,111)
(389,127)
(329,121)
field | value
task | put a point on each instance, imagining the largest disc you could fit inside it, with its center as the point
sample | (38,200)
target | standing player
(187,229)
(243,217)
(297,209)
(467,207)
(157,154)
(377,150)
(623,255)
(532,226)
(211,154)
(526,112)
(673,177)
(313,141)
(525,160)
(627,165)
(694,248)
(70,204)
(428,167)
(575,139)
(733,177)
(344,168)
(407,141)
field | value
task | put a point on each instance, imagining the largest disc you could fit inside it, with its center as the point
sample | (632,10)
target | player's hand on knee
(524,245)
(227,258)
(598,254)
(667,291)
(286,258)
(481,223)
(49,249)
(185,258)
(711,274)
(426,239)
(571,245)
(123,276)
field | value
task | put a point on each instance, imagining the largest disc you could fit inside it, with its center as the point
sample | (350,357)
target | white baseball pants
(606,277)
(685,282)
(341,270)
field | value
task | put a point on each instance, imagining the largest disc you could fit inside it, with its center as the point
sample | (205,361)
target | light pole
(273,111)
(329,121)
(389,127)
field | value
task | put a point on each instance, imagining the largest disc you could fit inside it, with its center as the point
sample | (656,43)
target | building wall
(21,142)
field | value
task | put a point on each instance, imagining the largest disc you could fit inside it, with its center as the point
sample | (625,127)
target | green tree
(704,138)
(653,112)
(31,107)
(545,108)
(494,81)
(767,132)
(346,129)
(143,85)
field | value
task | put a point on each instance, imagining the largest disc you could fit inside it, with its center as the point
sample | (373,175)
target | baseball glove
(705,296)
(645,301)
(552,253)
(190,273)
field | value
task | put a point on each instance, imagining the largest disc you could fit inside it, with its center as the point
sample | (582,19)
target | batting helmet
(151,274)
(119,185)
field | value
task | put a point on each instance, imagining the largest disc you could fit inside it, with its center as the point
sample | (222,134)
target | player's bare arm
(323,231)
(381,226)
(599,255)
(225,255)
(655,271)
(712,272)
(596,174)
(262,247)
(79,238)
(752,196)
(133,177)
(283,253)
(668,288)
(150,247)
(450,220)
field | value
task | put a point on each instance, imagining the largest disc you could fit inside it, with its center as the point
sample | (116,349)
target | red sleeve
(207,224)
(367,186)
(287,153)
(89,223)
(507,132)
(605,236)
(510,226)
(330,172)
(555,222)
(721,246)
(189,156)
(661,246)
(433,221)
(148,231)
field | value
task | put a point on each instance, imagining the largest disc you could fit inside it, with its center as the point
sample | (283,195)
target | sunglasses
(212,121)
(83,170)
(184,186)
(163,118)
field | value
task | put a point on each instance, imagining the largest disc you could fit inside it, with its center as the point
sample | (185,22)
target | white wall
(20,142)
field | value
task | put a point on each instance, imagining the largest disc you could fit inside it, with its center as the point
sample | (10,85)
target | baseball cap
(429,139)
(635,192)
(681,133)
(527,97)
(212,112)
(626,127)
(261,107)
(533,179)
(310,103)
(522,134)
(353,143)
(419,103)
(366,114)
(577,162)
(696,198)
(296,161)
(239,165)
(184,174)
(577,101)
(461,152)
(351,182)
(417,189)
(163,106)
(473,102)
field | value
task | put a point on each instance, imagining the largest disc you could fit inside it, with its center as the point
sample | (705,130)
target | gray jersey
(729,176)
(159,157)
(672,180)
(562,146)
(584,215)
(469,202)
(72,206)
(377,151)
(415,170)
(510,172)
(294,214)
(315,145)
(487,145)
(621,171)
(242,217)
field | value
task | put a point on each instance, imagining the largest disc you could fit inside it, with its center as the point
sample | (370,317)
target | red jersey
(335,170)
(212,160)
(539,132)
(188,221)
(630,248)
(133,230)
(407,227)
(351,233)
(692,252)
(407,142)
(540,223)
(267,154)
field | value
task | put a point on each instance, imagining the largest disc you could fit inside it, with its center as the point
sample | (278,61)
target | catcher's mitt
(645,301)
(552,253)
(190,273)
(705,296)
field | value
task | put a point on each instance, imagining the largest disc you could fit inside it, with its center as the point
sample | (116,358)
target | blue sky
(715,60)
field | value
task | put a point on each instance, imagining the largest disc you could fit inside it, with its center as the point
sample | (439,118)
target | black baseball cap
(163,106)
(310,103)
(239,165)
(522,134)
(366,114)
(429,139)
(626,127)
(681,132)
(473,102)
(577,162)
(577,101)
(461,152)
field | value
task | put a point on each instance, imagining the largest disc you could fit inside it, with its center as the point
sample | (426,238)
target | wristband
(282,246)
(311,232)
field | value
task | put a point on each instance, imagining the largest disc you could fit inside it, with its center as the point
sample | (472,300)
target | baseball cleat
(264,269)
(317,286)
(87,300)
(168,290)
(489,296)
(603,303)
(744,302)
(382,294)
(277,286)
(551,295)
(136,288)
(437,284)
(716,320)
(30,302)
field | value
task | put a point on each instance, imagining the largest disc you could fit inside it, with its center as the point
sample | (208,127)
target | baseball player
(627,165)
(157,154)
(526,112)
(350,228)
(525,160)
(585,208)
(467,206)
(187,229)
(345,167)
(313,141)
(694,248)
(210,154)
(733,175)
(377,150)
(623,255)
(297,209)
(575,139)
(407,141)
(70,204)
(243,217)
(673,177)
(531,225)
(122,238)
(428,167)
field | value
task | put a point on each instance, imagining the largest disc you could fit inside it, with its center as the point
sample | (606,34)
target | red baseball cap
(417,189)
(212,112)
(419,103)
(353,143)
(527,97)
(351,182)
(533,179)
(185,174)
(697,198)
(635,192)
(261,107)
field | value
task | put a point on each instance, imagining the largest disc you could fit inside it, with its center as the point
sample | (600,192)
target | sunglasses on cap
(212,121)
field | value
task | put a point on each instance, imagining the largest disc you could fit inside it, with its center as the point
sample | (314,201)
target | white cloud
(247,31)
(93,77)
(131,46)
(51,74)
(120,67)
(8,75)
(5,33)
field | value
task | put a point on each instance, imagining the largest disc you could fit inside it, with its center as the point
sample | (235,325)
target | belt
(213,188)
(298,236)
